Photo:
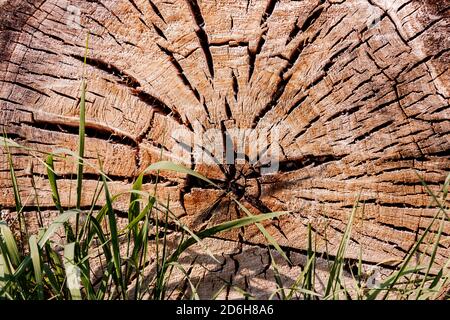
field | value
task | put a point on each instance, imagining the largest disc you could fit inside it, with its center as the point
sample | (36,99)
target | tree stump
(287,105)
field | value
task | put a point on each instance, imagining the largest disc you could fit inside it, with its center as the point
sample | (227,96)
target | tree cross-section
(357,92)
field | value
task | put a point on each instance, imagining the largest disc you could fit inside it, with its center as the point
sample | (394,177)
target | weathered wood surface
(358,91)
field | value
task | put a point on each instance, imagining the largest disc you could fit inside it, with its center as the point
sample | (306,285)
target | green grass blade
(7,272)
(199,241)
(72,271)
(53,185)
(96,230)
(81,141)
(132,225)
(441,280)
(446,187)
(218,292)
(186,275)
(229,225)
(164,248)
(310,253)
(11,245)
(56,224)
(170,166)
(55,267)
(277,275)
(388,284)
(84,232)
(134,209)
(8,143)
(55,194)
(114,237)
(263,230)
(36,259)
(3,271)
(301,278)
(105,281)
(17,198)
(335,275)
(144,233)
(432,258)
(81,138)
(53,281)
(305,292)
(434,197)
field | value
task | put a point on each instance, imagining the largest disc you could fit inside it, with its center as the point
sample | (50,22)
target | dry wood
(358,91)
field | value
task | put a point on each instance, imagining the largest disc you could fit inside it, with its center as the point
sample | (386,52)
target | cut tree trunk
(339,98)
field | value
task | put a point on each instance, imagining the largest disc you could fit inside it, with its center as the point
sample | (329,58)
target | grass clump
(38,270)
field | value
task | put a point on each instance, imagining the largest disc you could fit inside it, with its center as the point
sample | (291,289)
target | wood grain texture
(359,92)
